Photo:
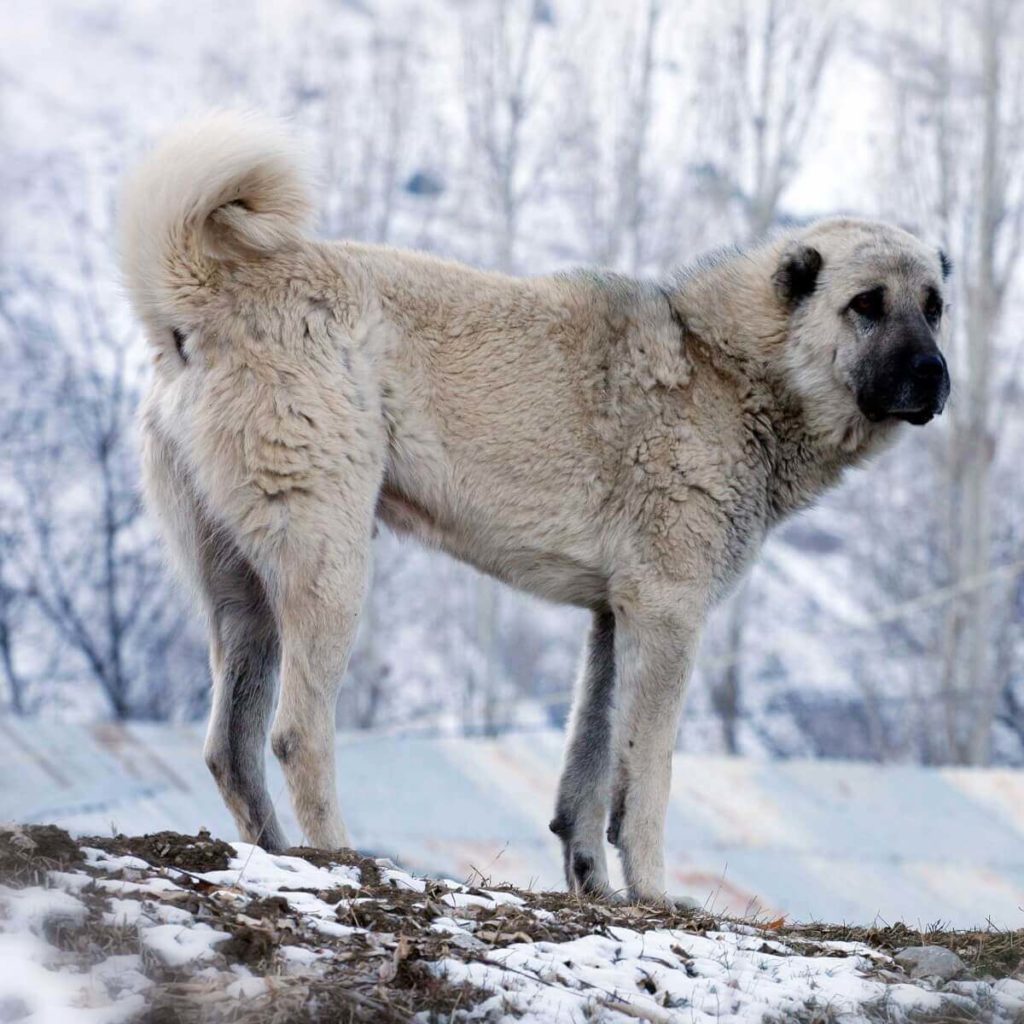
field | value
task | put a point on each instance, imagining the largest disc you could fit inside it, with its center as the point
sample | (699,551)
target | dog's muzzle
(912,386)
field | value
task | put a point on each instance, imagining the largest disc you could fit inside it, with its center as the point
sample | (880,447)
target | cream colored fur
(589,438)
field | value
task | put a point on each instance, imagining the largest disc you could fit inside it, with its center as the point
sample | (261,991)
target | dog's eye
(868,304)
(180,337)
(933,308)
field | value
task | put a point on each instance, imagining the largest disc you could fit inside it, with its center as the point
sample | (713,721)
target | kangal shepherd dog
(623,445)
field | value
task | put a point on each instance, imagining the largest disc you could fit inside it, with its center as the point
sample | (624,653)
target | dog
(617,444)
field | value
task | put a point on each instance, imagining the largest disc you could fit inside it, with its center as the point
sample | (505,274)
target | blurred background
(530,136)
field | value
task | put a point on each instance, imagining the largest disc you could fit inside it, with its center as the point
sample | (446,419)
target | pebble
(930,962)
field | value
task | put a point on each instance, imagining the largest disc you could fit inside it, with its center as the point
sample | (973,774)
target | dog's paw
(663,901)
(684,904)
(587,875)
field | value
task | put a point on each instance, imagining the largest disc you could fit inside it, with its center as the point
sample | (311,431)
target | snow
(31,909)
(261,873)
(712,978)
(34,989)
(740,973)
(183,943)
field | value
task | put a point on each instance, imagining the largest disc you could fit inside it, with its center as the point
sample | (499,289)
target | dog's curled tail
(229,186)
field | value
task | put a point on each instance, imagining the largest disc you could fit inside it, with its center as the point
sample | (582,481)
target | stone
(930,962)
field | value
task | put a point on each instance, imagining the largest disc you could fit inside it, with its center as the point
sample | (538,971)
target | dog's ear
(946,263)
(797,273)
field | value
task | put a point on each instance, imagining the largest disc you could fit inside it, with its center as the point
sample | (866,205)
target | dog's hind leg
(319,595)
(244,649)
(244,657)
(584,788)
(312,545)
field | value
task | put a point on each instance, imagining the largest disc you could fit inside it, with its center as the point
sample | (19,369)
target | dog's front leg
(581,810)
(655,648)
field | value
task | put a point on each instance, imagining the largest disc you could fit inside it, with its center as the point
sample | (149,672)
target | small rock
(930,962)
(463,940)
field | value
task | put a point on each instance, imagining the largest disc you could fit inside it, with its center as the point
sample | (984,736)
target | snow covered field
(186,928)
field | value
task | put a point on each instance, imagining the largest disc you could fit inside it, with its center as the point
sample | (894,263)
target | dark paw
(615,827)
(582,869)
(562,827)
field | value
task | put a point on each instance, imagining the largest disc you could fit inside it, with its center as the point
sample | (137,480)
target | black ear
(797,273)
(947,265)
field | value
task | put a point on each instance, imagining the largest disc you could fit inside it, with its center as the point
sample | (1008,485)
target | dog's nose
(928,367)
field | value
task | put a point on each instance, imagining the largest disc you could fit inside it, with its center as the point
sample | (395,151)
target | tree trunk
(979,682)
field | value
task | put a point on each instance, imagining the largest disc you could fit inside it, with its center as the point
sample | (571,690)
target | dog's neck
(727,301)
(728,308)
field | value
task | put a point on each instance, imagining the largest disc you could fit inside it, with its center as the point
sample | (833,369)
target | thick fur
(611,443)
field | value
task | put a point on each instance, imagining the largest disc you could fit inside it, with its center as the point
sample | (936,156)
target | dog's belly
(550,575)
(547,573)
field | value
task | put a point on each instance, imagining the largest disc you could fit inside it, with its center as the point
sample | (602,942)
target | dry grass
(988,953)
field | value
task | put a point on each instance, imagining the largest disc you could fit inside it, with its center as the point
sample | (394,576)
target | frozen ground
(172,928)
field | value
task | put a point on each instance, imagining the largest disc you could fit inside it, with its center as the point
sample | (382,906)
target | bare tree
(762,79)
(12,609)
(761,83)
(92,571)
(364,119)
(992,259)
(958,150)
(625,138)
(85,561)
(621,235)
(501,89)
(502,92)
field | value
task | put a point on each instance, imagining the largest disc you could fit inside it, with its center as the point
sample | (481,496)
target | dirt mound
(173,929)
(169,850)
(28,852)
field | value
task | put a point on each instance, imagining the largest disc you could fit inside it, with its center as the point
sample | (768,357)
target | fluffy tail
(226,187)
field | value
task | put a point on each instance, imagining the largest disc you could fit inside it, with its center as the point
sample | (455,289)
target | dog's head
(866,308)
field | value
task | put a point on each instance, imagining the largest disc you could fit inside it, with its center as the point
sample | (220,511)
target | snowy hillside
(176,928)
